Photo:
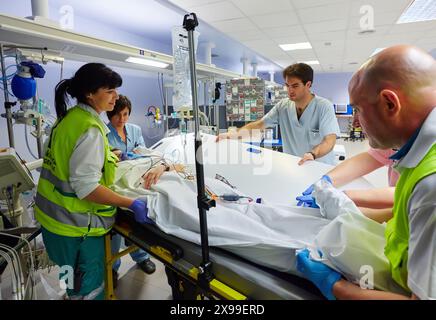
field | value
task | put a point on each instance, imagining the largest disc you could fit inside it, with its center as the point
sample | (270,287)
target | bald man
(394,98)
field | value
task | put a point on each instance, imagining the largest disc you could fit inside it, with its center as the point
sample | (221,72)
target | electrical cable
(24,164)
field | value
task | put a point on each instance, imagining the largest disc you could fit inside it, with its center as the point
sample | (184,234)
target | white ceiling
(331,26)
(143,23)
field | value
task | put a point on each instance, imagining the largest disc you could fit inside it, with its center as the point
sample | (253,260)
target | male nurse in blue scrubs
(308,123)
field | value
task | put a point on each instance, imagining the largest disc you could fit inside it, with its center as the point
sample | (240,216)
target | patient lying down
(268,234)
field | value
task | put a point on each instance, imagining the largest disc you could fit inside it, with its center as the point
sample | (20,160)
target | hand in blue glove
(321,275)
(309,190)
(307,200)
(139,208)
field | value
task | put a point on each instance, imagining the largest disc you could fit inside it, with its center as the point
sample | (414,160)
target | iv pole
(204,203)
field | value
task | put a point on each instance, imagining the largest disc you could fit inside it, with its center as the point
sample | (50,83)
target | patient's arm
(378,215)
(372,198)
(345,290)
(353,168)
(152,176)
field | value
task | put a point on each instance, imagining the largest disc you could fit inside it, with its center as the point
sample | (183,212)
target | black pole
(189,23)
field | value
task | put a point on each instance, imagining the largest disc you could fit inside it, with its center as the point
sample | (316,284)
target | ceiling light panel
(295,46)
(147,62)
(311,62)
(419,10)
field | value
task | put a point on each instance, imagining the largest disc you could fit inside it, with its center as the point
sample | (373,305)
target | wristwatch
(313,155)
(167,167)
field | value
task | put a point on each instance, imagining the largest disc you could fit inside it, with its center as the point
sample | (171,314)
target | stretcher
(233,276)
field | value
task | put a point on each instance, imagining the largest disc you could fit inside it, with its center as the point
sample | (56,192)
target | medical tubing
(32,263)
(19,275)
(13,272)
(27,143)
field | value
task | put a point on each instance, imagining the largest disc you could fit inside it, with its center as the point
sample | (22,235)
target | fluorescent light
(377,51)
(419,10)
(147,62)
(295,46)
(311,62)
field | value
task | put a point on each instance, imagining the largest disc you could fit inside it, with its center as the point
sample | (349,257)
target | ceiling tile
(330,12)
(288,31)
(191,3)
(326,26)
(291,39)
(393,39)
(274,52)
(315,3)
(285,62)
(282,19)
(261,7)
(327,36)
(303,55)
(378,33)
(247,35)
(263,45)
(241,24)
(328,45)
(217,11)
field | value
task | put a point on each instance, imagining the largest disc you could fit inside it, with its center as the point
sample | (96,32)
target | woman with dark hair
(127,138)
(74,203)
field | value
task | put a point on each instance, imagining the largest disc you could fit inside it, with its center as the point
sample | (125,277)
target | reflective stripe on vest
(75,219)
(63,187)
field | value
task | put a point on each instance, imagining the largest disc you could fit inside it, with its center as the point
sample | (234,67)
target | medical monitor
(13,173)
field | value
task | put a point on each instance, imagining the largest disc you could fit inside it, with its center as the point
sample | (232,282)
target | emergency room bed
(258,174)
(181,258)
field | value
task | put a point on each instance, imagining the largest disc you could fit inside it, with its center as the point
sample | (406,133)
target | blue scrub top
(301,135)
(134,138)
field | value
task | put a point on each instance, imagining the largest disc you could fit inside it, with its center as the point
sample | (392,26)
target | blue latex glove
(320,274)
(307,200)
(309,190)
(139,208)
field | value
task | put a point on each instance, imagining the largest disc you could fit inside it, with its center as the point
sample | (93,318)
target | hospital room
(242,150)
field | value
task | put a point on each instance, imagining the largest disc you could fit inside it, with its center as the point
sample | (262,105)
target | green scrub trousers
(64,251)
